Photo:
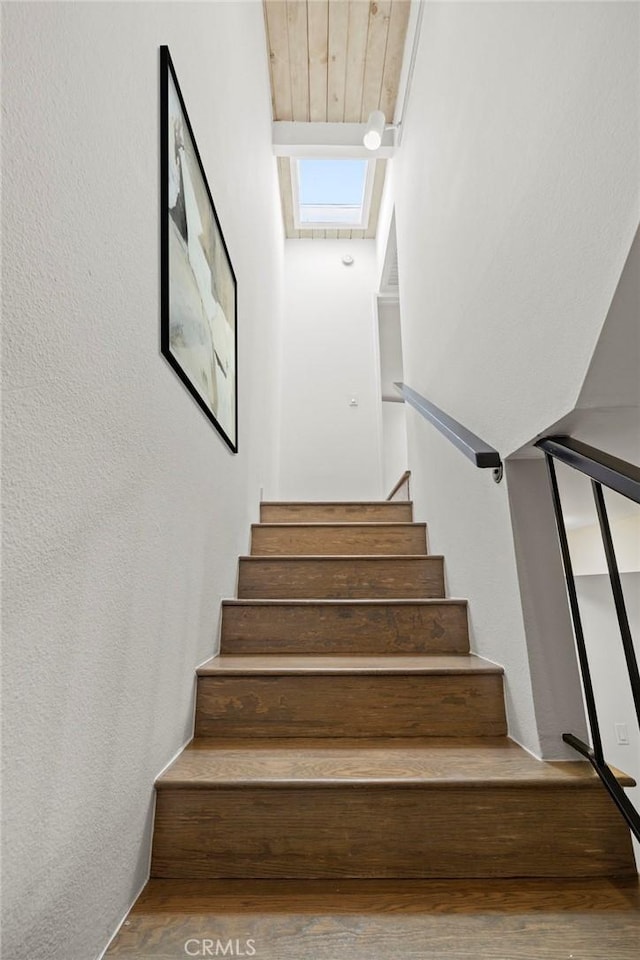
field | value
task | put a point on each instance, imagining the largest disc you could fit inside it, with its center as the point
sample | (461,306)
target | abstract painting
(198,285)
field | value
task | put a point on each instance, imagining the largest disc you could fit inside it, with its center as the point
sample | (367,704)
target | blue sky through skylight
(332,182)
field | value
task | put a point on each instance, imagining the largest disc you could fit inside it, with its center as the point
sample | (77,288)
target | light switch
(622,735)
(353,402)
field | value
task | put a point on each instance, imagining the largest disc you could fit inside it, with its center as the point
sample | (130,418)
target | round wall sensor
(347,260)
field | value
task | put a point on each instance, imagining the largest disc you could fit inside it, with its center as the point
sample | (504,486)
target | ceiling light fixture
(374,132)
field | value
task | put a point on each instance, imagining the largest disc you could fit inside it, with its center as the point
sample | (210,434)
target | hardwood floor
(553,919)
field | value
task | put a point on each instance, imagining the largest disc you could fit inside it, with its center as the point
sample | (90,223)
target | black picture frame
(198,296)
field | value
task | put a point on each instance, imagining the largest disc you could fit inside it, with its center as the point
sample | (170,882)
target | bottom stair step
(544,919)
(383,808)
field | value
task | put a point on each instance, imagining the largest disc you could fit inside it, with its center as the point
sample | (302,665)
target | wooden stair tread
(321,558)
(342,602)
(287,665)
(348,524)
(482,919)
(327,762)
(488,899)
(334,503)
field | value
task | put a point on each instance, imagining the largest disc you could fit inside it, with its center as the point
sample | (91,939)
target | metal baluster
(618,595)
(575,616)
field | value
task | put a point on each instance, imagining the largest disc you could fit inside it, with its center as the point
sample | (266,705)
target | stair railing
(480,453)
(603,470)
(404,481)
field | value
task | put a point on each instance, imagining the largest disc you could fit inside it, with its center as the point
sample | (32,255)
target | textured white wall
(516,195)
(124,512)
(330,450)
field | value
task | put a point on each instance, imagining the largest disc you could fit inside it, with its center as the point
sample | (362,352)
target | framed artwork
(199,335)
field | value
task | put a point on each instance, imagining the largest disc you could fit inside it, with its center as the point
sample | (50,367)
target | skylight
(333,192)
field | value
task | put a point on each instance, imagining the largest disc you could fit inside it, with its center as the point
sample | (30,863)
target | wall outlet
(622,734)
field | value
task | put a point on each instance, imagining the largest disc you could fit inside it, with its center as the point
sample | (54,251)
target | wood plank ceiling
(334,61)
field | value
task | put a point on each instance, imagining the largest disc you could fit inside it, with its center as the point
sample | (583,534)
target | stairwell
(346,732)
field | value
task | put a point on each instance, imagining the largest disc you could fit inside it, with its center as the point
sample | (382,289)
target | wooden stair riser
(398,512)
(365,705)
(281,578)
(451,831)
(344,628)
(335,539)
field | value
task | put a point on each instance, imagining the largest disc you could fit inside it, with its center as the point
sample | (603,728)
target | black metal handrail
(619,475)
(623,477)
(480,453)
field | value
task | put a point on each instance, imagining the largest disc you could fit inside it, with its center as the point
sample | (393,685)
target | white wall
(329,449)
(124,512)
(607,412)
(394,421)
(550,645)
(517,199)
(612,379)
(395,459)
(468,518)
(587,550)
(390,341)
(516,192)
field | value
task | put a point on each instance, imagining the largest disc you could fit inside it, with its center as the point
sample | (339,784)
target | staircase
(345,730)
